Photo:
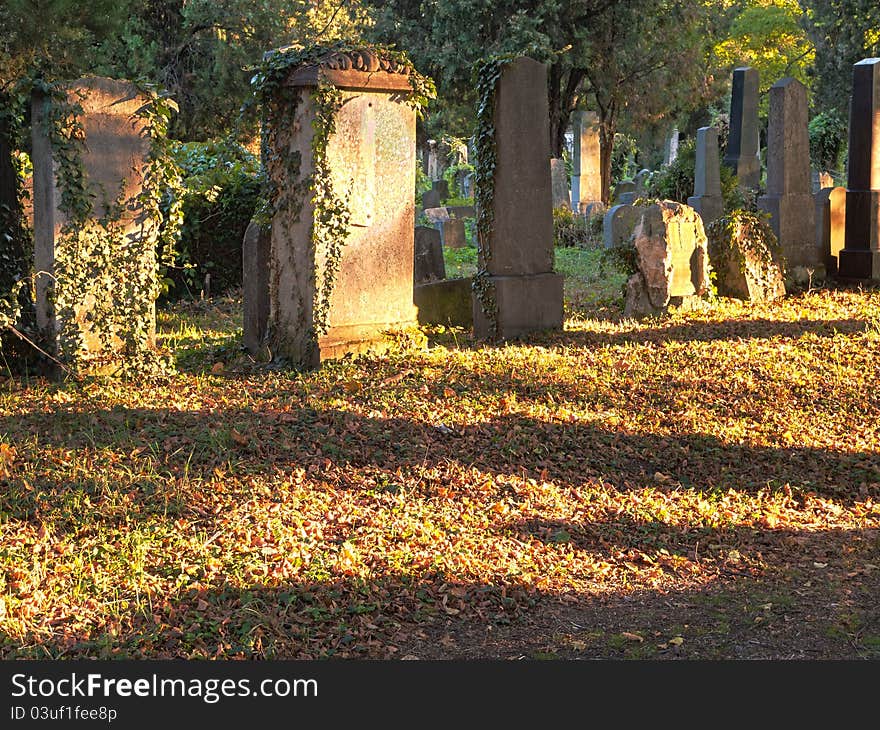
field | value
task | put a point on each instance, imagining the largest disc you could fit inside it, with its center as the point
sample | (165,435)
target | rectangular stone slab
(525,304)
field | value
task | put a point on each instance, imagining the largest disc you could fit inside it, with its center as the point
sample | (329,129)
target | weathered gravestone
(672,259)
(516,290)
(743,140)
(428,263)
(95,305)
(747,259)
(446,302)
(431,199)
(586,178)
(461,211)
(618,224)
(671,148)
(624,192)
(334,292)
(860,257)
(559,183)
(831,224)
(707,200)
(255,285)
(789,200)
(452,233)
(437,215)
(642,178)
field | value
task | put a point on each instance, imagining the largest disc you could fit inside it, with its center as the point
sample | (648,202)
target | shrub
(675,181)
(569,229)
(221,192)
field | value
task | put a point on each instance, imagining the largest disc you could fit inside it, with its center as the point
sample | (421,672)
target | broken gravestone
(672,260)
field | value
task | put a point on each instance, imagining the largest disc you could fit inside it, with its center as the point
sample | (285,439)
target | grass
(605,491)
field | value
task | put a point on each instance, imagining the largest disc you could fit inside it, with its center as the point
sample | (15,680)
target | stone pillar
(255,284)
(44,213)
(370,159)
(559,183)
(707,200)
(830,225)
(789,199)
(433,166)
(586,178)
(517,291)
(744,140)
(860,257)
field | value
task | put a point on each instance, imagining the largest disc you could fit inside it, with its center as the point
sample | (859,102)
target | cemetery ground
(704,485)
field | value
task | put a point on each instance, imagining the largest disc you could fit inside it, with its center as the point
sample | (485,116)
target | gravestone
(446,302)
(114,153)
(431,199)
(747,267)
(559,183)
(624,188)
(428,263)
(831,224)
(860,257)
(586,177)
(641,180)
(255,285)
(517,291)
(789,200)
(363,286)
(452,233)
(743,140)
(707,200)
(461,211)
(618,224)
(672,259)
(436,215)
(671,151)
(432,164)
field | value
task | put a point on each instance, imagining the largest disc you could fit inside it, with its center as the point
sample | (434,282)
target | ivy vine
(488,73)
(745,239)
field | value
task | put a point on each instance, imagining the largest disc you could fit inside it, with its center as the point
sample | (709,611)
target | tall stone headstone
(860,257)
(707,200)
(831,224)
(255,285)
(744,140)
(520,292)
(432,166)
(370,157)
(789,199)
(114,153)
(559,183)
(586,178)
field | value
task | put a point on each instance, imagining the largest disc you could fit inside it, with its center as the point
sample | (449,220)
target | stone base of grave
(445,302)
(793,220)
(525,304)
(862,212)
(853,265)
(360,339)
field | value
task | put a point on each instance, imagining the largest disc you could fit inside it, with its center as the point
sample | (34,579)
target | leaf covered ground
(705,485)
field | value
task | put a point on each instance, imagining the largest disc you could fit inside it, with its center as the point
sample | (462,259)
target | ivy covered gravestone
(516,290)
(95,222)
(340,148)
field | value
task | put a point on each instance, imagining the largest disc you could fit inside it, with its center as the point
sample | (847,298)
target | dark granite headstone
(743,141)
(428,264)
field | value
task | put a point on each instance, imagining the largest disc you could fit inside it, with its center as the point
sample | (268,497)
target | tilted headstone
(255,285)
(744,140)
(586,178)
(428,263)
(452,233)
(707,200)
(115,151)
(618,224)
(446,302)
(746,267)
(520,292)
(831,224)
(559,183)
(672,259)
(789,200)
(860,257)
(370,159)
